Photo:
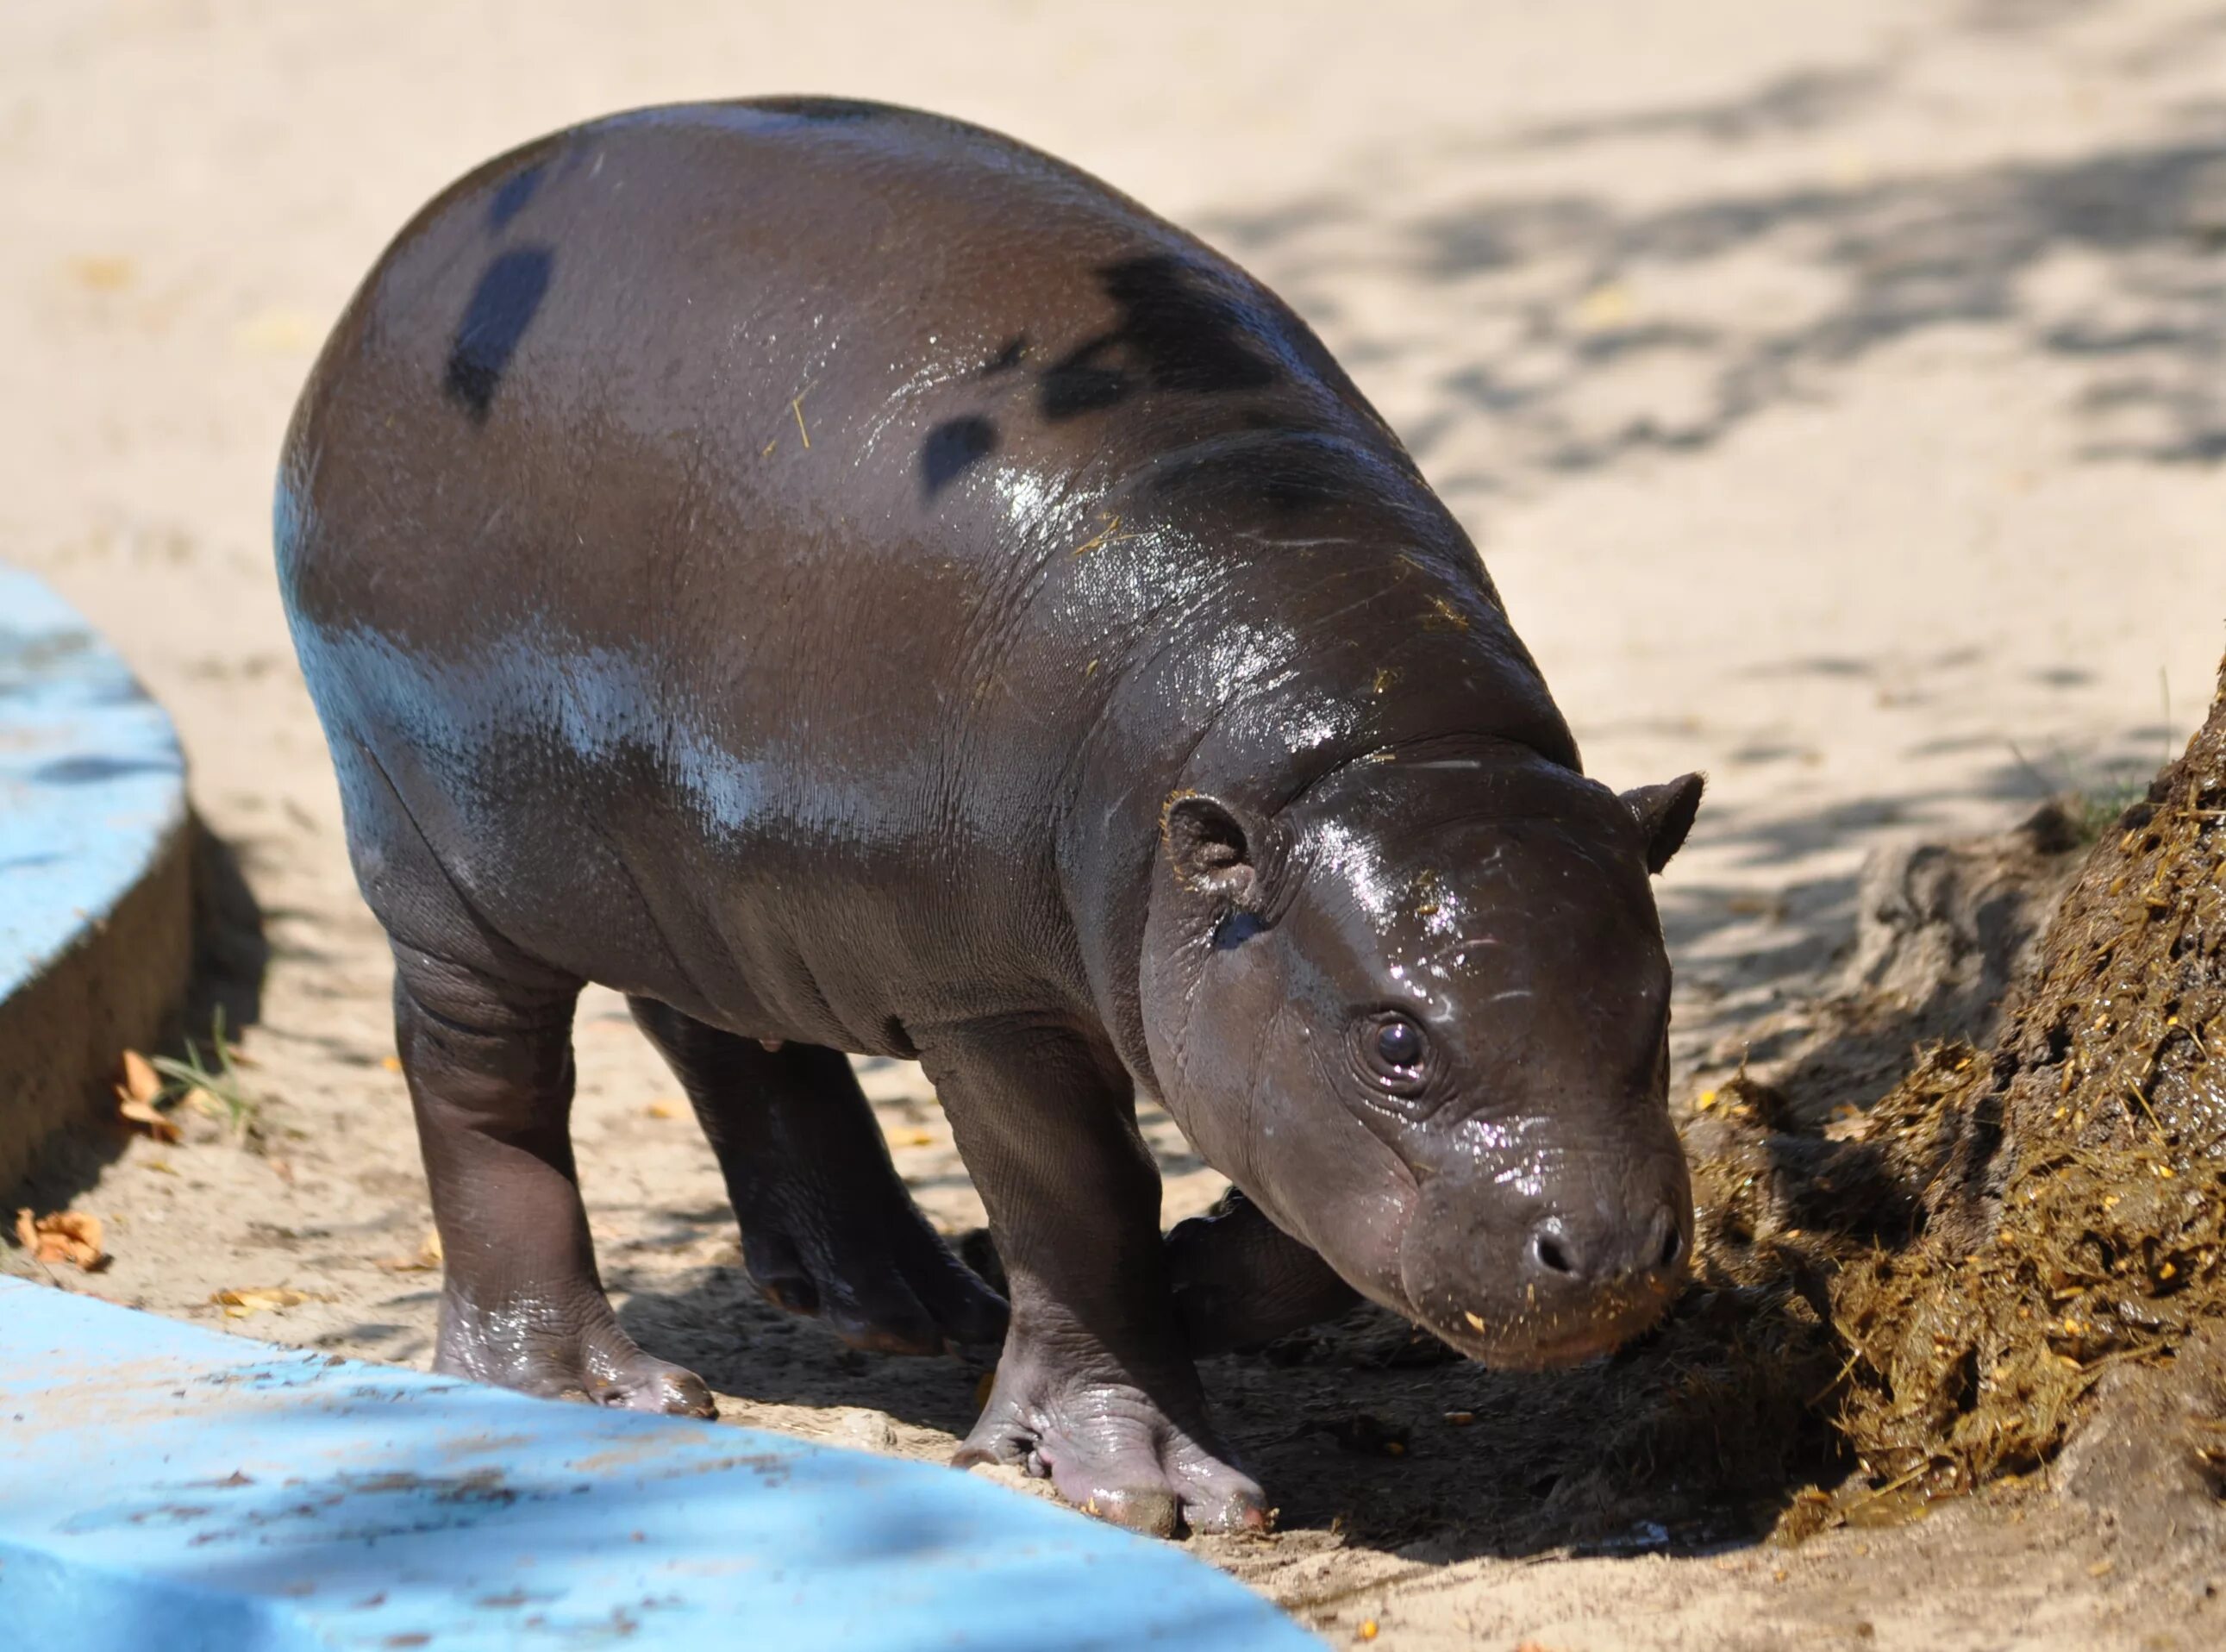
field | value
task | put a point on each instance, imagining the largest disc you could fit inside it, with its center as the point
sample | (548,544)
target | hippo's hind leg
(1240,1280)
(1095,1387)
(828,1228)
(485,1034)
(489,1062)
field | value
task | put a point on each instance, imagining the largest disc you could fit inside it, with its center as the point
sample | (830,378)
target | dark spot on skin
(1008,358)
(503,306)
(1190,337)
(951,446)
(823,108)
(1177,331)
(1072,389)
(510,201)
(1284,470)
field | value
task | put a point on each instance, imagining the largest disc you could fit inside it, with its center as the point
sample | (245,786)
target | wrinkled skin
(854,584)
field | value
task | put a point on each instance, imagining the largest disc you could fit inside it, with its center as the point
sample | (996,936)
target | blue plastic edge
(167,1486)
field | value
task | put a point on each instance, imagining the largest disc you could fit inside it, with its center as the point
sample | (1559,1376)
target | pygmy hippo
(851,582)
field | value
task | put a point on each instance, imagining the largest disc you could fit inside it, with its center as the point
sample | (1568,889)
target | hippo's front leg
(1095,1387)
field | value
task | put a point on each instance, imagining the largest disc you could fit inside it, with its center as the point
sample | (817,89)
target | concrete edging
(96,868)
(172,1486)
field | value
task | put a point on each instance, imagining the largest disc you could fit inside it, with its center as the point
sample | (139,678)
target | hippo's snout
(1608,1248)
(1574,1265)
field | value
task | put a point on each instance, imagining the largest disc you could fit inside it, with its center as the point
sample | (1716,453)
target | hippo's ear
(1212,851)
(1665,814)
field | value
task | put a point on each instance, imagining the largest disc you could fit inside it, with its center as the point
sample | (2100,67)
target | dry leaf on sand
(427,1259)
(65,1236)
(136,1080)
(138,1089)
(147,1117)
(99,272)
(238,1305)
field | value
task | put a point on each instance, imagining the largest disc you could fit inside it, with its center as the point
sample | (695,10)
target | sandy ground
(1838,393)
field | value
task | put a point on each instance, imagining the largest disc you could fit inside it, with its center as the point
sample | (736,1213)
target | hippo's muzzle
(1548,1269)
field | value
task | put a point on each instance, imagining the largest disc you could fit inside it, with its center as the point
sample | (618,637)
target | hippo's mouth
(1523,1340)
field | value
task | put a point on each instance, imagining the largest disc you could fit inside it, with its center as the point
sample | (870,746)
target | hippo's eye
(1399,1043)
(1394,1052)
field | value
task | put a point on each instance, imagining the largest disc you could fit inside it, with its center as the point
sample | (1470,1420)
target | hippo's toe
(642,1383)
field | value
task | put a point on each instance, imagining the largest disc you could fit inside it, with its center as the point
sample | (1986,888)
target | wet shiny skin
(845,578)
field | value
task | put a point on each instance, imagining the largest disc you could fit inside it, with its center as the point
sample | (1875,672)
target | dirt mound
(2021,1215)
(1943,932)
(2071,1179)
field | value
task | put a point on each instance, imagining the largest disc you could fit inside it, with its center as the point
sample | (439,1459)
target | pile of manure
(1978,1250)
(2070,1181)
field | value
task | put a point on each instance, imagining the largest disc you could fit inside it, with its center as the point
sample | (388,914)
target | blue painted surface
(91,782)
(167,1487)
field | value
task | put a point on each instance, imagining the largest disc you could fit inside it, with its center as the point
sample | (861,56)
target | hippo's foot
(1112,1450)
(879,1278)
(1240,1282)
(561,1349)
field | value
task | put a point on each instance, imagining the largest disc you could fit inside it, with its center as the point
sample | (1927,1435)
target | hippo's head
(1421,1018)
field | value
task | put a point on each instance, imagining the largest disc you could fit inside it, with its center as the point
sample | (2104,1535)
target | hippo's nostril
(1673,1247)
(1547,1249)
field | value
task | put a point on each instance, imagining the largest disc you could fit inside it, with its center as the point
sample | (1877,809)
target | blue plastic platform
(167,1487)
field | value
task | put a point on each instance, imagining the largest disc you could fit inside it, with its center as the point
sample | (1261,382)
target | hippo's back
(755,324)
